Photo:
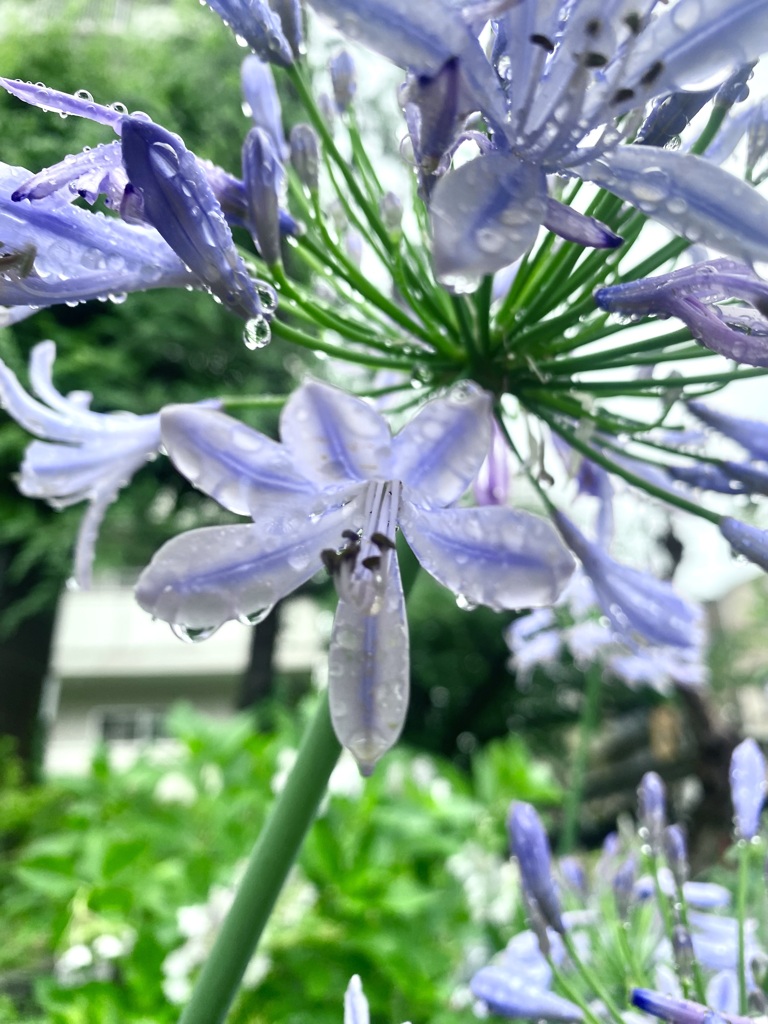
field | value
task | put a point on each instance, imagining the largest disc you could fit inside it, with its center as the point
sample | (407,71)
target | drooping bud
(260,100)
(178,201)
(530,846)
(258,26)
(651,796)
(343,80)
(305,155)
(263,179)
(748,786)
(676,853)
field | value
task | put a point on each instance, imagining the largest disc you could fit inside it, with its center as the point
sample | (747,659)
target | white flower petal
(202,578)
(493,556)
(368,674)
(688,194)
(244,470)
(485,214)
(439,452)
(335,438)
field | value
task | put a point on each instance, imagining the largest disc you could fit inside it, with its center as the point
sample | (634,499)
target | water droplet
(164,159)
(464,603)
(257,333)
(192,636)
(254,618)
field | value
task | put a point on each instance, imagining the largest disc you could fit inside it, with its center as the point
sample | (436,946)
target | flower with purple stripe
(332,493)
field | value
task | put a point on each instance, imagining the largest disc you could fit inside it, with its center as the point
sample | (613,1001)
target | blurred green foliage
(117,853)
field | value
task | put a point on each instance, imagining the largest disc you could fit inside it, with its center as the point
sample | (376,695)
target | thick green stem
(273,856)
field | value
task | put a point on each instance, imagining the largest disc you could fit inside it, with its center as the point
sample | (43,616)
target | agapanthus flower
(332,493)
(54,252)
(559,95)
(738,330)
(81,455)
(154,182)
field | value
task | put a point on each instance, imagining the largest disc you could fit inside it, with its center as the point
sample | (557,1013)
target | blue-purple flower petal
(180,204)
(748,787)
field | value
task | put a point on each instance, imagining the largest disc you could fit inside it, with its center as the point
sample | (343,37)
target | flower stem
(588,722)
(273,856)
(742,850)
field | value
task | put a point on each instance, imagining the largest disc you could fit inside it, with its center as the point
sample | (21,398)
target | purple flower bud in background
(624,886)
(305,155)
(355,1004)
(750,434)
(573,874)
(676,853)
(746,540)
(670,116)
(530,846)
(735,88)
(258,26)
(391,212)
(180,204)
(261,102)
(289,12)
(723,992)
(263,178)
(343,80)
(747,778)
(652,814)
(431,108)
(677,1011)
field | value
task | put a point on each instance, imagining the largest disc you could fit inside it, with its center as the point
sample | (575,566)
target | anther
(382,542)
(543,41)
(652,73)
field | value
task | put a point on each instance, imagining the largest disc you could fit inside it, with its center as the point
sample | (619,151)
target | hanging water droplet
(192,636)
(254,618)
(267,297)
(257,333)
(464,603)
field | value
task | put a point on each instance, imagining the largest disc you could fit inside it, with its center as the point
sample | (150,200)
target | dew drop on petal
(257,333)
(192,636)
(254,618)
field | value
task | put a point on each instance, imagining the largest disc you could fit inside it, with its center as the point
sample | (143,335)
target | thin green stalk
(282,330)
(576,442)
(592,979)
(622,387)
(741,910)
(628,351)
(589,720)
(573,993)
(273,856)
(307,101)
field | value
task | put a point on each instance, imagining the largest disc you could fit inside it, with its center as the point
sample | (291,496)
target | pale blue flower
(258,26)
(81,455)
(635,602)
(746,540)
(332,493)
(556,95)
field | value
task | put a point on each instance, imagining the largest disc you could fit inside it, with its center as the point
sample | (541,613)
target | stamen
(360,567)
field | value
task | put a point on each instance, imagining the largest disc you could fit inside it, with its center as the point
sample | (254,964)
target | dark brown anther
(382,542)
(652,73)
(632,21)
(594,60)
(622,95)
(351,535)
(330,560)
(593,27)
(372,562)
(539,40)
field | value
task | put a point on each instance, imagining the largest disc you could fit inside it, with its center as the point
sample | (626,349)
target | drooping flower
(332,493)
(738,331)
(154,181)
(54,252)
(556,95)
(81,455)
